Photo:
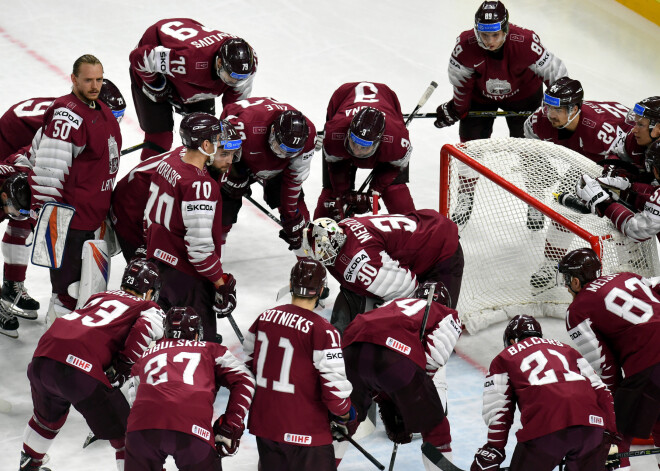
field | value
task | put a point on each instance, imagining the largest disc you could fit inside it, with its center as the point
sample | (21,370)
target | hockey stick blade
(366,454)
(631,454)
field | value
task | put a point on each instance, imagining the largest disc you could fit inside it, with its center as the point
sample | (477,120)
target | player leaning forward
(76,163)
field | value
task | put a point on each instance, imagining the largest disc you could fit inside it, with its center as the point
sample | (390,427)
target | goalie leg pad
(51,235)
(95,270)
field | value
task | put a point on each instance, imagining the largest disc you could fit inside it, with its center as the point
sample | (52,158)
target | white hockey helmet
(322,240)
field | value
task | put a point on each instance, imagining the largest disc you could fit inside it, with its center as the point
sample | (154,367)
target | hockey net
(503,177)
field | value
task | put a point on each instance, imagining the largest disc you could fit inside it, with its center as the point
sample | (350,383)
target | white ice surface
(306,50)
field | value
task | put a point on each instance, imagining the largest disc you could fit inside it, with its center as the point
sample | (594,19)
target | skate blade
(10,333)
(18,312)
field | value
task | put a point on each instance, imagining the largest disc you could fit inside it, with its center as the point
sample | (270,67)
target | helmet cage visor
(231,78)
(119,114)
(636,115)
(360,148)
(280,149)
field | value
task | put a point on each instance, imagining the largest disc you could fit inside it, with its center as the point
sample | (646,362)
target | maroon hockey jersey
(297,360)
(187,59)
(392,154)
(177,382)
(184,219)
(383,255)
(253,118)
(554,387)
(601,128)
(513,73)
(397,324)
(76,159)
(20,123)
(615,324)
(109,323)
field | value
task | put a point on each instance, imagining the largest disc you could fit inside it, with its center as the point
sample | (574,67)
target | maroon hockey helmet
(653,157)
(140,276)
(236,61)
(647,108)
(198,127)
(582,264)
(365,132)
(521,327)
(17,189)
(112,97)
(288,134)
(491,17)
(441,294)
(183,323)
(230,139)
(564,92)
(308,278)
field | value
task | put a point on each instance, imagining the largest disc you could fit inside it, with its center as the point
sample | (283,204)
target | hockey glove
(488,458)
(594,196)
(611,441)
(335,208)
(447,115)
(342,427)
(227,436)
(140,252)
(292,230)
(358,203)
(394,426)
(237,186)
(158,91)
(617,184)
(120,371)
(225,297)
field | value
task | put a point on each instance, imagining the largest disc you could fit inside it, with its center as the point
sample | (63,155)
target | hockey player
(131,194)
(301,383)
(279,146)
(181,65)
(645,121)
(364,128)
(387,361)
(593,129)
(182,366)
(494,65)
(380,258)
(183,220)
(614,321)
(565,408)
(83,359)
(639,226)
(18,127)
(76,160)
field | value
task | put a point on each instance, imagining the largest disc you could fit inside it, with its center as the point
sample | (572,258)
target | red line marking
(471,361)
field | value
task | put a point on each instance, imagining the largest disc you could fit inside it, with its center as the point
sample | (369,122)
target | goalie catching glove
(225,297)
(344,426)
(594,196)
(227,436)
(488,458)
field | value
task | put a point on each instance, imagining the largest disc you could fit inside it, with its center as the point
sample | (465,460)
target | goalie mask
(491,17)
(441,295)
(520,328)
(322,240)
(288,134)
(141,276)
(235,62)
(308,279)
(582,264)
(112,97)
(365,133)
(183,323)
(16,202)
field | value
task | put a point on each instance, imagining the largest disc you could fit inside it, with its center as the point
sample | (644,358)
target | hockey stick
(429,299)
(263,209)
(394,450)
(145,144)
(234,326)
(479,114)
(436,457)
(570,201)
(366,454)
(631,454)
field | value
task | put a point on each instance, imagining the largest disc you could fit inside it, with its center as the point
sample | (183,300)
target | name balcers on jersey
(297,359)
(383,255)
(252,118)
(394,150)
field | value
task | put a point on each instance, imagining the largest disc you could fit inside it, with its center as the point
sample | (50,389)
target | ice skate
(8,323)
(544,278)
(15,299)
(30,464)
(535,219)
(463,210)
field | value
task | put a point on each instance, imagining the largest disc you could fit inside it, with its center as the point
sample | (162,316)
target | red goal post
(504,177)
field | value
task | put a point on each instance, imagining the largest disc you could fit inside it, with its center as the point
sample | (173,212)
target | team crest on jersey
(498,87)
(113,152)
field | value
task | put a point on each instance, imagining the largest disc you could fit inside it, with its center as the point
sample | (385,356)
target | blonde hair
(84,59)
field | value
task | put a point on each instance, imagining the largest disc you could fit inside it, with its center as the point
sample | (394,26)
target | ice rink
(306,49)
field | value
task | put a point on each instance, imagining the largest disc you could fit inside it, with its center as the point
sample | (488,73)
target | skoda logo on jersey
(498,87)
(113,153)
(350,274)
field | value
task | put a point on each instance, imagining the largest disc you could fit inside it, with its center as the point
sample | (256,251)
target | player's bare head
(521,327)
(562,102)
(645,117)
(322,240)
(201,132)
(365,132)
(582,264)
(183,323)
(308,279)
(653,159)
(491,25)
(16,194)
(87,78)
(140,277)
(288,134)
(113,99)
(234,62)
(440,295)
